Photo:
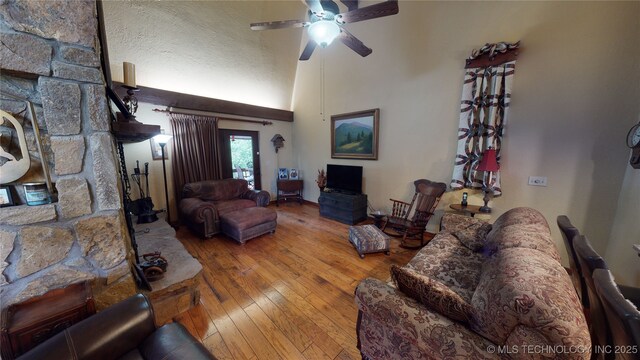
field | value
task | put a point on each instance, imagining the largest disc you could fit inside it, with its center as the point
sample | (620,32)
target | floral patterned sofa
(476,291)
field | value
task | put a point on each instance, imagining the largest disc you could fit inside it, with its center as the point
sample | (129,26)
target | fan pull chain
(322,88)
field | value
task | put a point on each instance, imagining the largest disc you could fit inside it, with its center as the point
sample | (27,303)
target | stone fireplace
(50,56)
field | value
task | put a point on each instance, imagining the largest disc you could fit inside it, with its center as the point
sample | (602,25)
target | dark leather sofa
(125,330)
(203,202)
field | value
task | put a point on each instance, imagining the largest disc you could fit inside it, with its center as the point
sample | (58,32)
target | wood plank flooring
(283,296)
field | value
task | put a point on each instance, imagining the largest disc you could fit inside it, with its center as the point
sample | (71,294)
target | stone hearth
(178,290)
(49,55)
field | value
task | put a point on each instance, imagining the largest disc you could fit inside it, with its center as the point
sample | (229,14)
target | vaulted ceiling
(206,47)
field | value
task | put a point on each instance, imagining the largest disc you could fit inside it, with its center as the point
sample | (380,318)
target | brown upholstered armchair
(203,202)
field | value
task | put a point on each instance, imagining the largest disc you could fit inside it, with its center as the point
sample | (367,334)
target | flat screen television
(344,178)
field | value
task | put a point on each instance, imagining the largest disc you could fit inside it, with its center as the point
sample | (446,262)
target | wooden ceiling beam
(201,103)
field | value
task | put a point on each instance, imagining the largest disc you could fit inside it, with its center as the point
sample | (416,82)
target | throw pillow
(432,293)
(473,236)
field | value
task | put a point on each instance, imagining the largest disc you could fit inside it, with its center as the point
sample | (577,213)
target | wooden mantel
(201,103)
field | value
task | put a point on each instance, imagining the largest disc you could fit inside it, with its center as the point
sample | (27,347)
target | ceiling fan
(326,23)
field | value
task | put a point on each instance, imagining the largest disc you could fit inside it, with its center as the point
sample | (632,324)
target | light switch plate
(538,180)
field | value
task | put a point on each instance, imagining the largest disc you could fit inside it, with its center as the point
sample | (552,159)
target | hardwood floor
(283,296)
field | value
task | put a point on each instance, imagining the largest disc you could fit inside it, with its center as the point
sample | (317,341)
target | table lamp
(488,164)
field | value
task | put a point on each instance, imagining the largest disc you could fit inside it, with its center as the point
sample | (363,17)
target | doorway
(240,156)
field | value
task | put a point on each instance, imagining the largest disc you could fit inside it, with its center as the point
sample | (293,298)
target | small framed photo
(5,197)
(283,174)
(293,174)
(156,151)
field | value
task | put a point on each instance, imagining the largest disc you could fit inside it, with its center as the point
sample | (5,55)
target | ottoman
(368,239)
(245,224)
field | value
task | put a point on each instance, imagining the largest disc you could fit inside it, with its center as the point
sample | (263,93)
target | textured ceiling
(206,47)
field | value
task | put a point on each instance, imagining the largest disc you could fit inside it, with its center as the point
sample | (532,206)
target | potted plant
(321,180)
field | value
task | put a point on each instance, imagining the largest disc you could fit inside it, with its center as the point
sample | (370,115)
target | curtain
(486,95)
(195,150)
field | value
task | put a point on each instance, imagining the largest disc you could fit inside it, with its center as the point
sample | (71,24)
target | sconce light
(488,164)
(130,101)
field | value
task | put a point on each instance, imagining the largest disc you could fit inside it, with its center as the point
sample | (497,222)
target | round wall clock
(633,137)
(633,141)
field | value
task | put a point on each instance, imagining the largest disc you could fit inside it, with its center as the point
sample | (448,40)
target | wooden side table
(470,210)
(27,324)
(378,219)
(289,189)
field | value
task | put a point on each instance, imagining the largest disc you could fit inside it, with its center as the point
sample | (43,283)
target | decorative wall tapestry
(486,96)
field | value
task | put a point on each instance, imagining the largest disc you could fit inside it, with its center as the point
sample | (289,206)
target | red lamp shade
(489,162)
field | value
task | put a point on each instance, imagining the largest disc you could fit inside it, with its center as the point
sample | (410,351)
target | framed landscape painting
(355,135)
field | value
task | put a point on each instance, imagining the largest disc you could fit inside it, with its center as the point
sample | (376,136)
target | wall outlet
(538,180)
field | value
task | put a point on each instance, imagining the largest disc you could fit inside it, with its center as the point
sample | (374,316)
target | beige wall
(575,95)
(142,151)
(622,260)
(206,47)
(576,92)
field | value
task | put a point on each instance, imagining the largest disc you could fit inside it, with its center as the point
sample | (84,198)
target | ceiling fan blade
(279,25)
(308,50)
(352,42)
(351,4)
(314,6)
(389,7)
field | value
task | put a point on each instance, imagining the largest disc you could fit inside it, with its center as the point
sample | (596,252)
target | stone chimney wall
(50,55)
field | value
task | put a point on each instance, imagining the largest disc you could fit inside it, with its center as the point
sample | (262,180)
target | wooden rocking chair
(425,200)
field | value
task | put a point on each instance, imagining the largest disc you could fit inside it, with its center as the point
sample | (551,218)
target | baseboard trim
(273,202)
(311,203)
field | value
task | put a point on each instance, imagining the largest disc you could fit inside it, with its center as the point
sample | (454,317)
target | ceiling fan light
(323,32)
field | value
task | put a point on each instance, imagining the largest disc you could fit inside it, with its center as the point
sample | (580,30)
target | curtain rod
(221,116)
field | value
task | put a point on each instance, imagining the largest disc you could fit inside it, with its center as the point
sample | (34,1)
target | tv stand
(346,208)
